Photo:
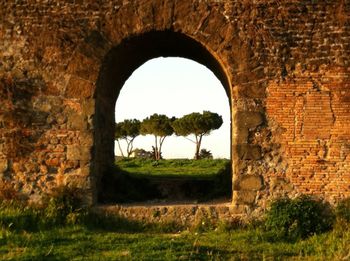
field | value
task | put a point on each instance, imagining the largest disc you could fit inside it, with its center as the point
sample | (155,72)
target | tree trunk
(120,148)
(160,146)
(130,146)
(156,148)
(198,146)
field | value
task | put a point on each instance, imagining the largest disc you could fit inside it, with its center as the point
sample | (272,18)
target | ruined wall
(287,69)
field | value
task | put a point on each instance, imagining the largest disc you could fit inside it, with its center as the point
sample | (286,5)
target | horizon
(149,87)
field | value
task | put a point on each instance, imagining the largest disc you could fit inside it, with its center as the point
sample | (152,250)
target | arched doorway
(117,67)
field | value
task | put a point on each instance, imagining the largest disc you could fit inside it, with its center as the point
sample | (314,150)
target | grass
(61,230)
(176,168)
(26,235)
(135,180)
(81,243)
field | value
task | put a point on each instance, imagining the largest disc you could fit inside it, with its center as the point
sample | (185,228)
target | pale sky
(175,87)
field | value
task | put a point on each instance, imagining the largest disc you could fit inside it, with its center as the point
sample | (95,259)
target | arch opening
(117,67)
(174,87)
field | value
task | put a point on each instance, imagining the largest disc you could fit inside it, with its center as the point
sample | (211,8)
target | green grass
(81,243)
(136,180)
(105,238)
(176,168)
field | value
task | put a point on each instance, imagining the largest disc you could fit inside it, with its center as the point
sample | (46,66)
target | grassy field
(21,239)
(79,243)
(135,180)
(177,168)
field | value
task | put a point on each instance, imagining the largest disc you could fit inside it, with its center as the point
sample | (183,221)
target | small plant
(298,218)
(205,154)
(342,210)
(64,206)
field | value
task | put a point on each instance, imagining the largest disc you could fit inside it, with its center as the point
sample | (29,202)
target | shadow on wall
(25,116)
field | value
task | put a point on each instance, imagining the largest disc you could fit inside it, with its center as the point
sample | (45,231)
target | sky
(175,87)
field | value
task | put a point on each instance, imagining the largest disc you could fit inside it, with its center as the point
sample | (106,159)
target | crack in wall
(331,107)
(303,115)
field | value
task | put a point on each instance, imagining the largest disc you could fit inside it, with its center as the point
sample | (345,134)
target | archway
(174,86)
(117,67)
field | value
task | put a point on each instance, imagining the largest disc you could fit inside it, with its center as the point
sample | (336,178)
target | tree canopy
(127,130)
(161,126)
(198,124)
(158,125)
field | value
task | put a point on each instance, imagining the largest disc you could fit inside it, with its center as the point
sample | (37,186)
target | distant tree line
(161,126)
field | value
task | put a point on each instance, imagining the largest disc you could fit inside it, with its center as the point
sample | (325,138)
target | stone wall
(284,64)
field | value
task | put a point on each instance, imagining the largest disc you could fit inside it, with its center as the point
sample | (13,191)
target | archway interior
(117,67)
(174,86)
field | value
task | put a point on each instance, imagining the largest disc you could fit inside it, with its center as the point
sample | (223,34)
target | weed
(203,225)
(64,206)
(297,218)
(342,210)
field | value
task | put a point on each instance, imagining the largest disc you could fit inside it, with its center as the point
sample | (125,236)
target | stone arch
(286,77)
(118,65)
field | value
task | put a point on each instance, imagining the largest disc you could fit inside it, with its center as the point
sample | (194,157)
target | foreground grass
(81,243)
(205,168)
(25,234)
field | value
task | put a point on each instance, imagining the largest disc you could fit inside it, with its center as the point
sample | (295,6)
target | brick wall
(314,115)
(284,64)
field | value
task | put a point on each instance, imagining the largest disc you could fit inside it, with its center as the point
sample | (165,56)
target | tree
(197,124)
(160,126)
(127,130)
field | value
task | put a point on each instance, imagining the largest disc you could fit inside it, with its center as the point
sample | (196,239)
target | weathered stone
(82,66)
(53,162)
(76,122)
(244,197)
(77,181)
(85,153)
(249,152)
(86,139)
(43,169)
(61,119)
(73,152)
(190,215)
(254,90)
(242,135)
(3,165)
(280,185)
(81,153)
(248,119)
(249,182)
(79,88)
(287,82)
(88,107)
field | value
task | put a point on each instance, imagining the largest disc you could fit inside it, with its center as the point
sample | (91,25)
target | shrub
(205,154)
(298,218)
(342,210)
